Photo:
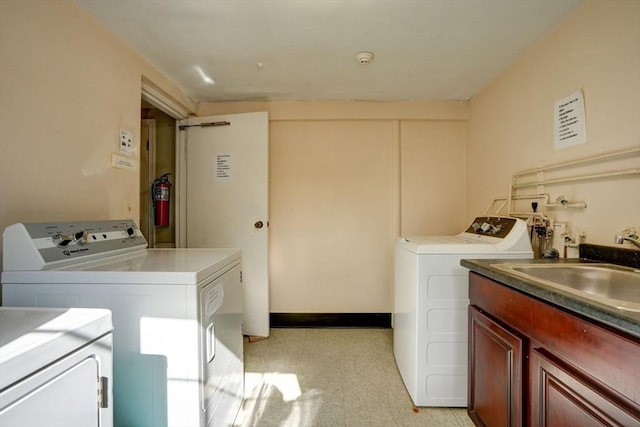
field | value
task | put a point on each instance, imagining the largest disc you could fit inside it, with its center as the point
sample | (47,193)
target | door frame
(146,205)
(181,185)
(164,102)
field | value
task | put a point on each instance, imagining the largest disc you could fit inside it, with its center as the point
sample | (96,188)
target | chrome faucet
(631,238)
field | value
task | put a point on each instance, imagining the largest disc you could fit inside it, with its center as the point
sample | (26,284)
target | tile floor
(331,377)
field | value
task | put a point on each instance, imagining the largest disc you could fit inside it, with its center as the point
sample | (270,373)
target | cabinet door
(495,372)
(562,396)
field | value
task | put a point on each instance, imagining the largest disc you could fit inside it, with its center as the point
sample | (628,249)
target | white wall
(596,50)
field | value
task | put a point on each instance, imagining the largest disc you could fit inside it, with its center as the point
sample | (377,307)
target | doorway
(157,157)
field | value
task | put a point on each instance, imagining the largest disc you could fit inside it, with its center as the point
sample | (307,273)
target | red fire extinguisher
(161,190)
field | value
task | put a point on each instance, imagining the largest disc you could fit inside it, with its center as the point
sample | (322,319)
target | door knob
(258,224)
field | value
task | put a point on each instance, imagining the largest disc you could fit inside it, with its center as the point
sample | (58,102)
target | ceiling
(273,50)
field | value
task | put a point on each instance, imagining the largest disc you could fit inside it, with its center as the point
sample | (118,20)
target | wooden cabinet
(495,364)
(534,364)
(562,396)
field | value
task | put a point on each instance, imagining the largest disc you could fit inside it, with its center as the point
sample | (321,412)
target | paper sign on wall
(570,128)
(224,167)
(123,162)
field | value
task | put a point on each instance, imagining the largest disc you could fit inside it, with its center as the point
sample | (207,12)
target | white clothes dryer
(177,314)
(431,297)
(55,367)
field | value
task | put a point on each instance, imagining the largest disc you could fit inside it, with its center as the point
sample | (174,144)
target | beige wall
(67,87)
(596,50)
(345,180)
(433,177)
(331,220)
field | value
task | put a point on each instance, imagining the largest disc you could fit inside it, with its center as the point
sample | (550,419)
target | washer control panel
(37,246)
(493,226)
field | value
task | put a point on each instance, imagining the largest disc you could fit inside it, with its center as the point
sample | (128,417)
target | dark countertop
(622,320)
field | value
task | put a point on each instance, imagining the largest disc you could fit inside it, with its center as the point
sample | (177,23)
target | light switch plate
(126,141)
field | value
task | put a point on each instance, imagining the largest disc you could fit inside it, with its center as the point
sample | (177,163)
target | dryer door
(54,397)
(222,356)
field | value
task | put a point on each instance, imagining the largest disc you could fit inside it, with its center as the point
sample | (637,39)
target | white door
(226,192)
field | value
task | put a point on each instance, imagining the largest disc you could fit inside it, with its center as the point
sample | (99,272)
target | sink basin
(607,284)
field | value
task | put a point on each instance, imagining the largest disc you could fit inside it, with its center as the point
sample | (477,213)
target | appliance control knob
(82,238)
(61,240)
(130,232)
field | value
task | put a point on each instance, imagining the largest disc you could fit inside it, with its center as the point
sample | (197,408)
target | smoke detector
(364,57)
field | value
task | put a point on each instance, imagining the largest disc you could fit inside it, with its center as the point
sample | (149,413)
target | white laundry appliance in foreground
(177,314)
(431,297)
(55,367)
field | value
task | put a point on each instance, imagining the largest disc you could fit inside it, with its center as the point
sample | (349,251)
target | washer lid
(484,235)
(149,266)
(32,338)
(448,244)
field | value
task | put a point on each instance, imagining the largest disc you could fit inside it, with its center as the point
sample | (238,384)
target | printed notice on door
(224,167)
(570,127)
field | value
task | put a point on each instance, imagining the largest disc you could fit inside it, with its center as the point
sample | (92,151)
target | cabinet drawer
(563,396)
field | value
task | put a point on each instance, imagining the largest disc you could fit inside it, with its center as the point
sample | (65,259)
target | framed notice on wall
(569,121)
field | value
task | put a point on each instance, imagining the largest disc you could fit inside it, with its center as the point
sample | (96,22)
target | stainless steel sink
(607,284)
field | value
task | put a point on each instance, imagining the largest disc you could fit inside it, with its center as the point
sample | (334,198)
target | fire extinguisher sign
(224,167)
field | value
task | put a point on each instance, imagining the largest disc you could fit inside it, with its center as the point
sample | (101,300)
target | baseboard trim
(330,320)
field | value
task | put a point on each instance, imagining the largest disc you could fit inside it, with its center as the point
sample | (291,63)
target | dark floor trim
(330,320)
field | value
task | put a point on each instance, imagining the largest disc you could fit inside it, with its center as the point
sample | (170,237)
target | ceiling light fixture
(364,57)
(205,78)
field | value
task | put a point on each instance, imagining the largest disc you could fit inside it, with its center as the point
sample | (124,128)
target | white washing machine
(431,297)
(55,367)
(177,314)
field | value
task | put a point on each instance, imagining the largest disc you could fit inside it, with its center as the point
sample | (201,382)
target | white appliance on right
(431,296)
